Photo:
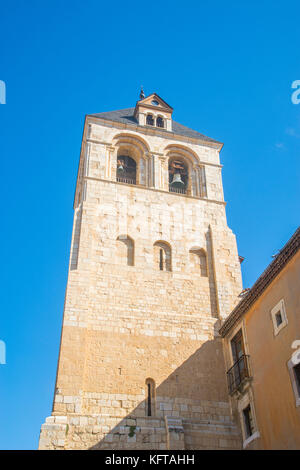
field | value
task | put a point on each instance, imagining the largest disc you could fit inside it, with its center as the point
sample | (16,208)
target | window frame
(163,261)
(161,118)
(134,177)
(185,177)
(239,326)
(295,386)
(279,308)
(243,403)
(150,401)
(150,115)
(238,337)
(248,421)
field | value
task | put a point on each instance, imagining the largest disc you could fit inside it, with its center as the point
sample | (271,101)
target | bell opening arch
(131,159)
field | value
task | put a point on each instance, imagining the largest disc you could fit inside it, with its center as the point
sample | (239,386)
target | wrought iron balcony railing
(177,190)
(238,373)
(123,179)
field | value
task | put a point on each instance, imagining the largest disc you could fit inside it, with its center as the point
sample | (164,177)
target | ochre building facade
(262,354)
(153,271)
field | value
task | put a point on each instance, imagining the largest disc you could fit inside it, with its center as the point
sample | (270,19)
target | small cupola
(153,111)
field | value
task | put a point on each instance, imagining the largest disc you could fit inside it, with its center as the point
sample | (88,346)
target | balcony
(177,190)
(238,374)
(124,179)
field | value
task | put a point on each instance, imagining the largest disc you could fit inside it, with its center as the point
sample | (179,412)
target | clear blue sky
(225,67)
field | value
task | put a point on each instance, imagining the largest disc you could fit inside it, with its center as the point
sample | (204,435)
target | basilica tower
(153,270)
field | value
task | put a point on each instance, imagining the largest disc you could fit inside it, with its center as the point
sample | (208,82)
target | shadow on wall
(211,278)
(188,410)
(76,241)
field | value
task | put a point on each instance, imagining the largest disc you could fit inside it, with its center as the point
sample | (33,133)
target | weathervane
(142,94)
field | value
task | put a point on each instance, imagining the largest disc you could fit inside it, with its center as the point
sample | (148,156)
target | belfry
(153,271)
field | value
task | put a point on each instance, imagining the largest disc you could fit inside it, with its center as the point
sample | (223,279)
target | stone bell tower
(153,269)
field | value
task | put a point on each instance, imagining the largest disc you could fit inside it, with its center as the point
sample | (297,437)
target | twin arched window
(178,170)
(150,121)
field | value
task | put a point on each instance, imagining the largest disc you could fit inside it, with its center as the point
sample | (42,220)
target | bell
(120,167)
(177,181)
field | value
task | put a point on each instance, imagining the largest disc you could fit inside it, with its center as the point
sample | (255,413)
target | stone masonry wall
(126,320)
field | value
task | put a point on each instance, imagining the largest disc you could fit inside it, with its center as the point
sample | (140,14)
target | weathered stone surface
(125,320)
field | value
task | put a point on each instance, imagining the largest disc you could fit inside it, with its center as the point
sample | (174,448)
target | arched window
(125,250)
(149,120)
(198,262)
(150,400)
(162,256)
(126,169)
(160,122)
(178,176)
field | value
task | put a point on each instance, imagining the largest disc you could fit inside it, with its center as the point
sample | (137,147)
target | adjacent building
(262,353)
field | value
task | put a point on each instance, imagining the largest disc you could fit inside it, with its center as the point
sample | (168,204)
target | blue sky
(225,67)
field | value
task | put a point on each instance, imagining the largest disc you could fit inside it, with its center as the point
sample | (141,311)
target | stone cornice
(139,186)
(100,142)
